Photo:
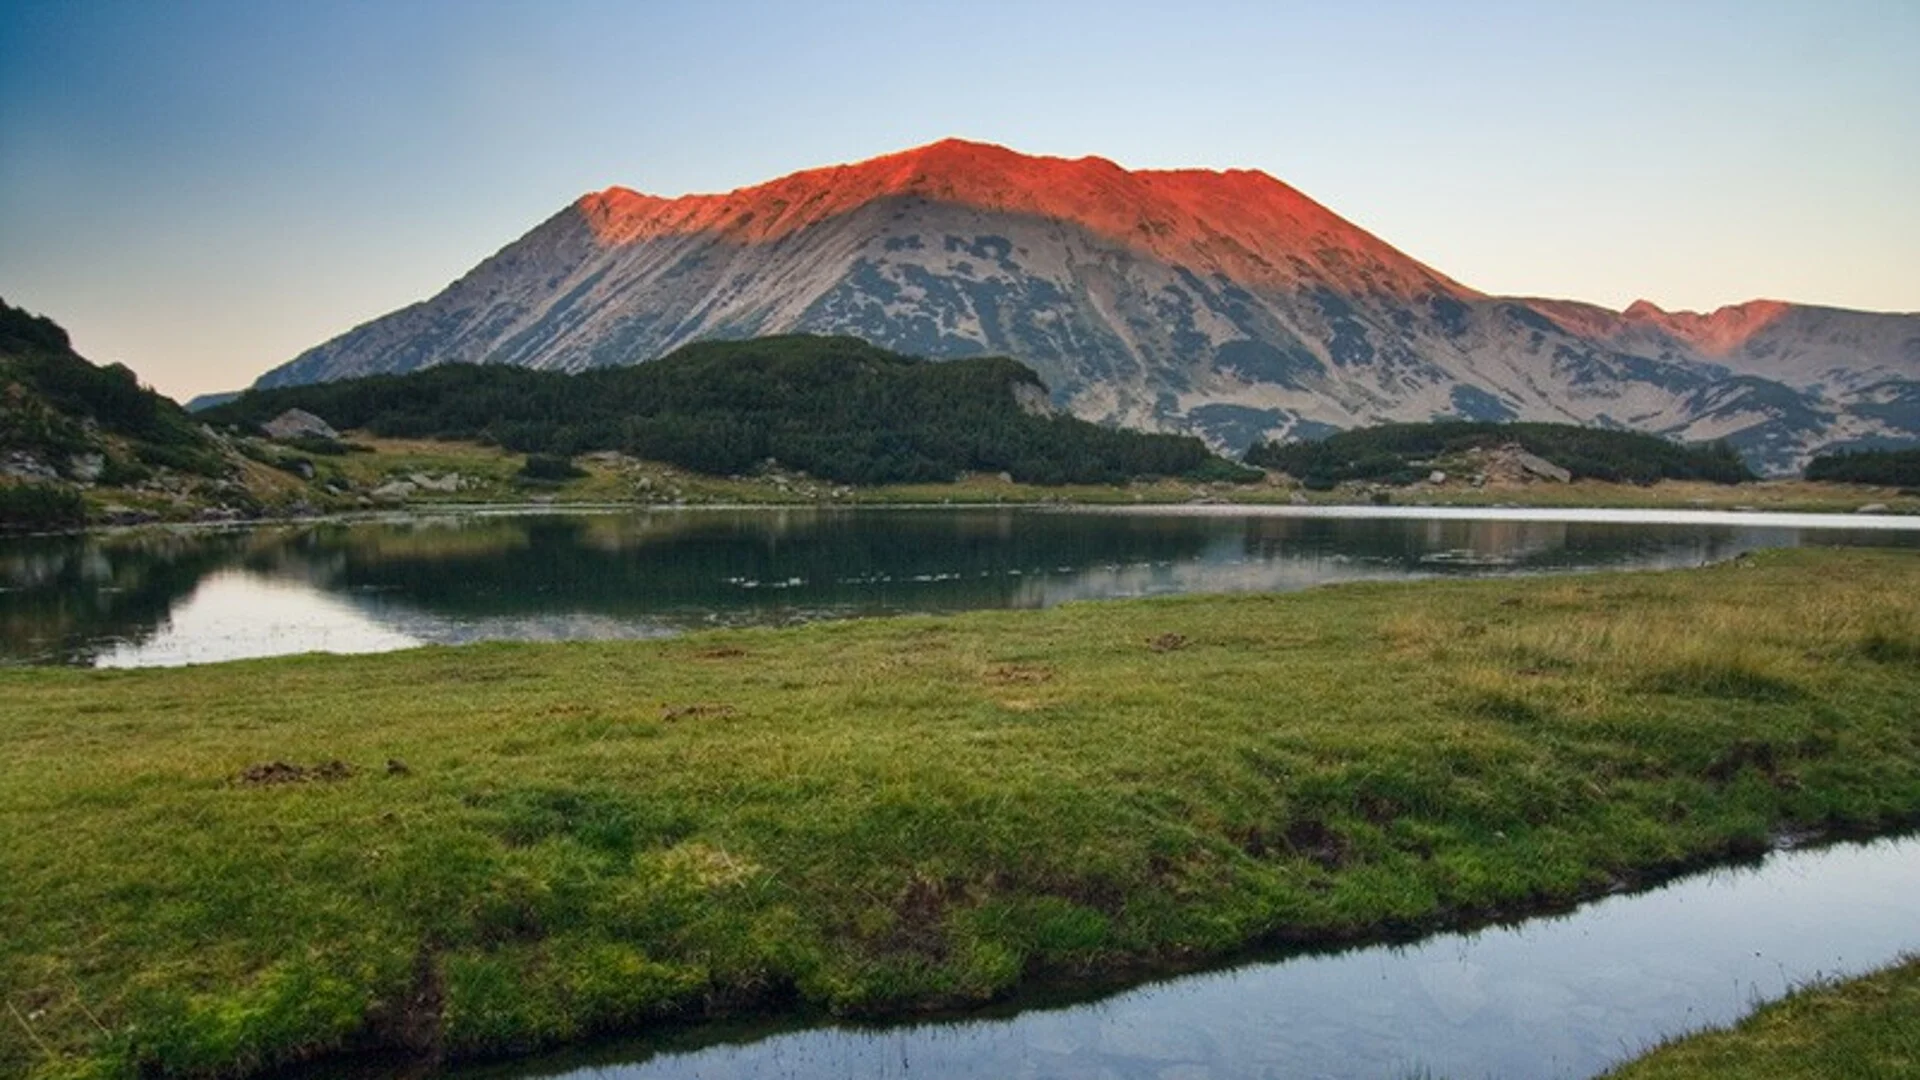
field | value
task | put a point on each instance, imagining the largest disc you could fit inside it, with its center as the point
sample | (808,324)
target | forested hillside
(58,406)
(64,420)
(834,407)
(1890,468)
(1399,453)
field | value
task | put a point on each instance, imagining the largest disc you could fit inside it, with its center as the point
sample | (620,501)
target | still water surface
(1566,996)
(152,597)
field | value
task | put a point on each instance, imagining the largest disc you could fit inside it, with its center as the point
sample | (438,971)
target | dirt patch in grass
(697,710)
(271,773)
(1759,755)
(919,918)
(1311,839)
(414,1024)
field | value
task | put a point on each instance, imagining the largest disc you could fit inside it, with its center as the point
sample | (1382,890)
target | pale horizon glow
(203,191)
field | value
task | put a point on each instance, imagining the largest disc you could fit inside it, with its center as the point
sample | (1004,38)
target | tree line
(1398,453)
(1887,468)
(835,407)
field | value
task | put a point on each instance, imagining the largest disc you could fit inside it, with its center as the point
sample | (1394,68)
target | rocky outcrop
(1535,465)
(297,424)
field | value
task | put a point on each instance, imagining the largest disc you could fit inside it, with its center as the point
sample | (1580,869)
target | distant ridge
(1222,303)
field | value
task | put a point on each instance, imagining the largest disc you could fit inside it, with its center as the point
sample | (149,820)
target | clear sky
(203,189)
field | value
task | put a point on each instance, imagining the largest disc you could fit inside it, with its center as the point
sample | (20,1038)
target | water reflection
(234,614)
(187,596)
(1559,997)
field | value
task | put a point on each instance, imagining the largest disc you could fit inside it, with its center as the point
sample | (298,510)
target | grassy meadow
(486,849)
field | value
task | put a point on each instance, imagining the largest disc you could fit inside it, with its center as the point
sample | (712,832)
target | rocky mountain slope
(1222,303)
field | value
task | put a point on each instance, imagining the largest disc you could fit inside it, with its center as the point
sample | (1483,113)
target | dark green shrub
(119,472)
(40,507)
(549,469)
(1220,470)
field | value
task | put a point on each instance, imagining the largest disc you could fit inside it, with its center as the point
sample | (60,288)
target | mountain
(1222,303)
(203,402)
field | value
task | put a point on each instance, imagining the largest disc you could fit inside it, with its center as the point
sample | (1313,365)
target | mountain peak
(1717,333)
(1241,222)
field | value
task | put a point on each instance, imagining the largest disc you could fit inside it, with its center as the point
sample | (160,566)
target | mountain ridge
(1227,304)
(1156,210)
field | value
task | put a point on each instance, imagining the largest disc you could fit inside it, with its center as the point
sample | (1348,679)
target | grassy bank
(1861,1029)
(491,474)
(494,847)
(472,473)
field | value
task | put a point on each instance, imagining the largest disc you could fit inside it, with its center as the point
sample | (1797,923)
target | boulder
(21,465)
(298,423)
(1541,467)
(86,468)
(115,514)
(447,484)
(1033,399)
(394,489)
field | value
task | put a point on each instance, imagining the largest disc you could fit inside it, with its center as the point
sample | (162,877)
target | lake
(192,595)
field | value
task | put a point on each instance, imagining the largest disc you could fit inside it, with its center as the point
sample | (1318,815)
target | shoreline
(1837,519)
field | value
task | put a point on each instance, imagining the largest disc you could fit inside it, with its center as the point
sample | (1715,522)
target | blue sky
(203,189)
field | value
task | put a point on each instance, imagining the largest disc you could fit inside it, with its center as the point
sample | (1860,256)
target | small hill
(65,421)
(61,410)
(70,419)
(1401,453)
(835,407)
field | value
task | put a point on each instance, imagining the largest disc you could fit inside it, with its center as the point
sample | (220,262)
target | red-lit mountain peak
(1240,223)
(1718,332)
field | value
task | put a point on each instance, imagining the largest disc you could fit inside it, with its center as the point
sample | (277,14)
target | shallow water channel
(1564,996)
(175,596)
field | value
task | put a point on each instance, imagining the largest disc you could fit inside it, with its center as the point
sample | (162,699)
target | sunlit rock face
(1222,303)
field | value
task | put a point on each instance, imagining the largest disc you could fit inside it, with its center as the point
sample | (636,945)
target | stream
(1560,996)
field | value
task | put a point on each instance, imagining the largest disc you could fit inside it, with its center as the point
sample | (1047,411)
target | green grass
(1861,1029)
(490,476)
(886,815)
(492,470)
